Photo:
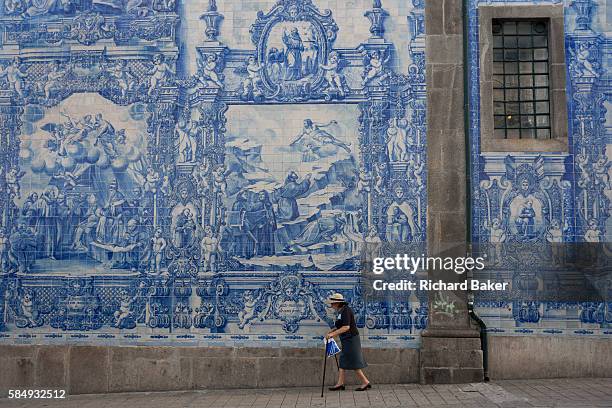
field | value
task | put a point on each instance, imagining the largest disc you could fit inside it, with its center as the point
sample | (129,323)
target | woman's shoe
(365,387)
(337,388)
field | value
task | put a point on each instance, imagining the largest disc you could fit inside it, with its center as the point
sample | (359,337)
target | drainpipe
(483,336)
(468,185)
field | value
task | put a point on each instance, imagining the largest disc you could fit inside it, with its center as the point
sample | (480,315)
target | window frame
(558,141)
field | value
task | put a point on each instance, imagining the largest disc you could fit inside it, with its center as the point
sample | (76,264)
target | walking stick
(324,367)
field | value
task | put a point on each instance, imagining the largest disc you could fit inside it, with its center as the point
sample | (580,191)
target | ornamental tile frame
(570,192)
(140,204)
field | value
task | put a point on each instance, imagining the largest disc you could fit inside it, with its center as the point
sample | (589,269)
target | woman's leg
(362,377)
(340,377)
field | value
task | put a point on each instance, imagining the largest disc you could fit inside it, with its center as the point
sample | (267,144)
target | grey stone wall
(451,360)
(524,357)
(103,369)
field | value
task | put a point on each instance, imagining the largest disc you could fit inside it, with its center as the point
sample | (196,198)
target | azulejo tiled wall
(203,173)
(568,194)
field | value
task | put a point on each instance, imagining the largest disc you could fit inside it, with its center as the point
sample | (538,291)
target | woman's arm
(337,332)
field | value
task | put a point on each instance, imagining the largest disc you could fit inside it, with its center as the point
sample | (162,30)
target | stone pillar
(451,351)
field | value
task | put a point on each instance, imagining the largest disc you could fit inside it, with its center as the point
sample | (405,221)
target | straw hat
(335,298)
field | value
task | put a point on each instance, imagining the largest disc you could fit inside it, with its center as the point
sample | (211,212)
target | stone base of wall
(103,369)
(89,369)
(549,357)
(450,360)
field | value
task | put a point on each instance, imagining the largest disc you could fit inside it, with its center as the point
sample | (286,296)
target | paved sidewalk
(532,393)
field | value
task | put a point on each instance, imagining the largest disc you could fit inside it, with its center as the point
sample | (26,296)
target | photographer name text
(437,285)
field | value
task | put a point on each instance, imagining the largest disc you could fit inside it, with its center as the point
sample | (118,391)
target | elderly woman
(351,357)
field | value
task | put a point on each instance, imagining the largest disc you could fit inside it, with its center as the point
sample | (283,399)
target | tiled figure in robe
(28,210)
(135,241)
(238,229)
(22,247)
(262,218)
(46,227)
(321,230)
(525,222)
(113,227)
(185,229)
(400,215)
(86,228)
(287,196)
(293,55)
(398,228)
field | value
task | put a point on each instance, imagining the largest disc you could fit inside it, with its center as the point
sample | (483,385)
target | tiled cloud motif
(526,205)
(141,203)
(89,180)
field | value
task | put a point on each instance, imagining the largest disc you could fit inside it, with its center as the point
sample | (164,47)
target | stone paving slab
(586,392)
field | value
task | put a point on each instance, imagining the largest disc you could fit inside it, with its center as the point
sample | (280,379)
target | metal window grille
(521,94)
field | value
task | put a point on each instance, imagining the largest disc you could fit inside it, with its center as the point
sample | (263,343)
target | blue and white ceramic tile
(209,182)
(205,174)
(564,197)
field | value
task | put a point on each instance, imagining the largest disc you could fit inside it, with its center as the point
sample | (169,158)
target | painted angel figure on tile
(584,66)
(124,76)
(252,85)
(12,177)
(15,76)
(151,180)
(497,237)
(318,133)
(554,236)
(54,79)
(601,168)
(208,71)
(159,245)
(592,234)
(201,175)
(160,73)
(333,73)
(210,249)
(374,66)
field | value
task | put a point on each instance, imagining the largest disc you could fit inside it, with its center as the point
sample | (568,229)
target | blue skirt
(351,357)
